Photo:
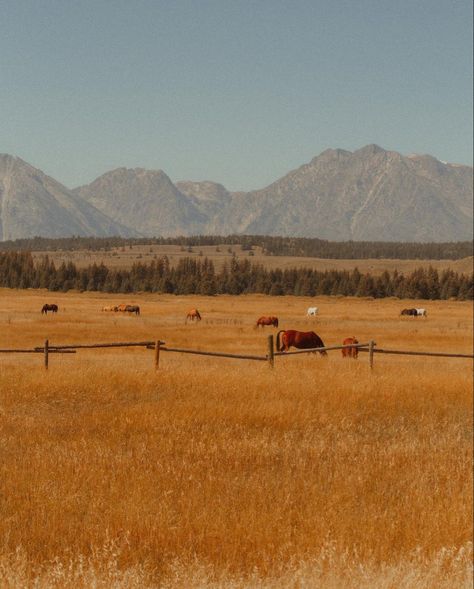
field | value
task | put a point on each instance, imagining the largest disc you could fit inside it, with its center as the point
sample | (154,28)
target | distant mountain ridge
(34,204)
(368,194)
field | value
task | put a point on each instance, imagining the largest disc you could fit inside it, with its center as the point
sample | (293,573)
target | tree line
(199,276)
(271,245)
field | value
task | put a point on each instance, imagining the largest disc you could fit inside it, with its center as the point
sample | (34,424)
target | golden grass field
(125,257)
(218,473)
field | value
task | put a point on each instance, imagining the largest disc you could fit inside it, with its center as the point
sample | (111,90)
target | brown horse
(46,308)
(262,321)
(193,314)
(303,340)
(133,309)
(350,352)
(121,308)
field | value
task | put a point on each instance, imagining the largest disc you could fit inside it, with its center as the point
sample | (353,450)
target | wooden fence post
(46,353)
(270,351)
(371,353)
(157,354)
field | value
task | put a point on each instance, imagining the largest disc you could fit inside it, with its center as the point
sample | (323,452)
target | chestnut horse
(350,352)
(46,308)
(303,340)
(262,321)
(193,314)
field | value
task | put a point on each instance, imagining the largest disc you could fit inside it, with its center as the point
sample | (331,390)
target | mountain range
(368,194)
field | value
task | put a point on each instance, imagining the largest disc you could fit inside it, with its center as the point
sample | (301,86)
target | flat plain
(224,473)
(124,257)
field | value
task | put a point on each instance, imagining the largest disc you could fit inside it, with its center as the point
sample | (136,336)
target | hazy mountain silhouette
(33,204)
(369,194)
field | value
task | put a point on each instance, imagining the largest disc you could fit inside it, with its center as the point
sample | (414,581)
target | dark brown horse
(262,321)
(193,314)
(303,340)
(350,352)
(412,312)
(132,309)
(46,308)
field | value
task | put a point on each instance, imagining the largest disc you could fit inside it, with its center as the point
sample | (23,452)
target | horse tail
(278,340)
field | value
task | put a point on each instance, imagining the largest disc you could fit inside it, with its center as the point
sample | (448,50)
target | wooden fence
(159,346)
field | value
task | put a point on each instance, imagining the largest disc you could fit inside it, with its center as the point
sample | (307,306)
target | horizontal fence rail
(216,354)
(414,353)
(36,351)
(325,349)
(107,345)
(159,346)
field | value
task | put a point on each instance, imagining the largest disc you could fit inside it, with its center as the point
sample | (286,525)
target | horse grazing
(121,308)
(46,308)
(421,313)
(193,314)
(303,340)
(132,309)
(312,311)
(262,321)
(113,308)
(350,352)
(412,312)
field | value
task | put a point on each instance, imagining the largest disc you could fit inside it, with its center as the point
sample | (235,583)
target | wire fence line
(270,355)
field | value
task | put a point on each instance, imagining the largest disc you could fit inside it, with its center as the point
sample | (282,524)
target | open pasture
(223,473)
(124,257)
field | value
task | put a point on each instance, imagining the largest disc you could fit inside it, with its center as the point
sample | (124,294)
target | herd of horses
(414,312)
(134,309)
(307,340)
(285,339)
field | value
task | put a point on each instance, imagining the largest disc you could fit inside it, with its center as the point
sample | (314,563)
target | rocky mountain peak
(368,194)
(32,203)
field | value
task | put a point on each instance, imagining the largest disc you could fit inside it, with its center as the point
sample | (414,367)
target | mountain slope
(145,200)
(32,203)
(371,194)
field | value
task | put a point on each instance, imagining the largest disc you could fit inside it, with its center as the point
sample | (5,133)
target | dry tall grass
(125,257)
(219,473)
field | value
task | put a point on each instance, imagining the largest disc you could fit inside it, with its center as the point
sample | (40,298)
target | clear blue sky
(238,92)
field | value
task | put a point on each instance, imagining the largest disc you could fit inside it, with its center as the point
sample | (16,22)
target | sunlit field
(126,256)
(219,473)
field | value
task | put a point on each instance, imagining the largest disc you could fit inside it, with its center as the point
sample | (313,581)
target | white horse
(312,311)
(421,313)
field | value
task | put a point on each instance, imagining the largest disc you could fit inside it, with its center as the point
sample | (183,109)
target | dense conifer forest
(198,276)
(273,246)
